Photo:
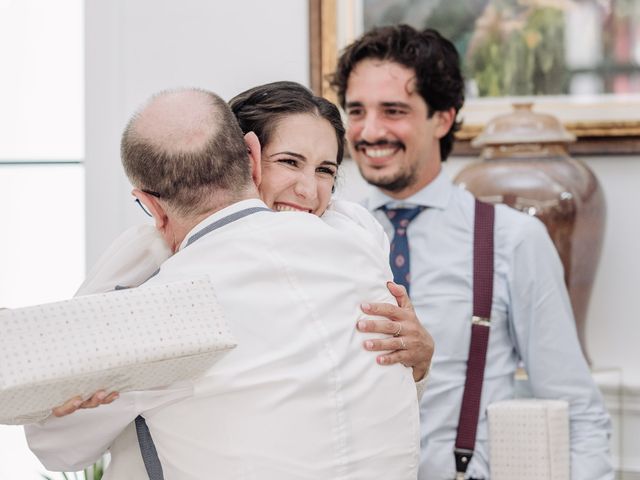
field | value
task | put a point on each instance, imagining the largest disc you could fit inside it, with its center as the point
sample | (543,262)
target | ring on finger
(403,347)
(397,334)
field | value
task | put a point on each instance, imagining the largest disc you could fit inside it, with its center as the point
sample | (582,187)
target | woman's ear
(253,147)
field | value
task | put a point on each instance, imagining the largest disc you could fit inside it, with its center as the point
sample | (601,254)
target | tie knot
(401,217)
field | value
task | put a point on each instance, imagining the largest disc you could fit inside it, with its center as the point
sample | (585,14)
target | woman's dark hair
(259,110)
(433,58)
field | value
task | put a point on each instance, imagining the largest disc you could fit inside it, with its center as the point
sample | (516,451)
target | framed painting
(578,60)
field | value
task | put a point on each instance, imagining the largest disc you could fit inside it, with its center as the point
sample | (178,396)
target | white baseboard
(627,475)
(623,402)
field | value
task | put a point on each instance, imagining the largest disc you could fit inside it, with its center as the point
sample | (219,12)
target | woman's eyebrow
(293,154)
(328,162)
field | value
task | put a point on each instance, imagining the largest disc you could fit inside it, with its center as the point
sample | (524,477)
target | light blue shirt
(531,322)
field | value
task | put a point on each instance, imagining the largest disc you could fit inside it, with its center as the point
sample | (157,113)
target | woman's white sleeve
(360,215)
(128,262)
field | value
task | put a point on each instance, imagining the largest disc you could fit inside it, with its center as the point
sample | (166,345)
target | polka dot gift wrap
(529,439)
(125,340)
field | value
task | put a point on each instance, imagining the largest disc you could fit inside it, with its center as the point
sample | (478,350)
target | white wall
(614,316)
(137,48)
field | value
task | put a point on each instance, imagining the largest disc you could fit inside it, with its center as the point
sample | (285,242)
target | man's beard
(391,183)
(395,183)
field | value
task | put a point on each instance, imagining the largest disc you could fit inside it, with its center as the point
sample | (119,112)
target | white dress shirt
(531,322)
(298,398)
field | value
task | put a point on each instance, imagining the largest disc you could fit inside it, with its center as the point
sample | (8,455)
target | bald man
(297,398)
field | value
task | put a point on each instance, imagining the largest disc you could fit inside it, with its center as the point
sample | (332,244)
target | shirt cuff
(421,385)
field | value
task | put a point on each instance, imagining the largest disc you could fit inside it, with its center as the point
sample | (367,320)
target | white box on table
(529,439)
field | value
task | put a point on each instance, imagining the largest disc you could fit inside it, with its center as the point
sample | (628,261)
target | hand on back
(410,343)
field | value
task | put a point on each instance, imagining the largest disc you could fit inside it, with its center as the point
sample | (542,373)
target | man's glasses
(144,209)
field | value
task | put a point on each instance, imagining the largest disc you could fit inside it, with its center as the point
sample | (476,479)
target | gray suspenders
(148,450)
(147,447)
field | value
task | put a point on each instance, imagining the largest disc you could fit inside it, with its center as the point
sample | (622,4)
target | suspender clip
(484,321)
(463,457)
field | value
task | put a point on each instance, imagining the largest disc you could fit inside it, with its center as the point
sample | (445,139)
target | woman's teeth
(288,208)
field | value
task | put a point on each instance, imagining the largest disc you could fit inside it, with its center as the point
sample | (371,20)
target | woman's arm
(410,343)
(129,261)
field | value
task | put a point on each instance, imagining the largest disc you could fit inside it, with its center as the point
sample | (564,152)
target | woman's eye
(289,161)
(326,171)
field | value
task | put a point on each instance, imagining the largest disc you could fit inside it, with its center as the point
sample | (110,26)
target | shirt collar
(220,214)
(435,195)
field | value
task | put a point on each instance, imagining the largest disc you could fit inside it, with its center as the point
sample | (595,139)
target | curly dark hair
(434,59)
(259,109)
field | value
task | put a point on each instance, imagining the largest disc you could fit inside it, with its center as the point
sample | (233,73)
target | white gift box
(125,340)
(529,439)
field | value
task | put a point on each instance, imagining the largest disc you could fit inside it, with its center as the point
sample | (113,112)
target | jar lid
(523,125)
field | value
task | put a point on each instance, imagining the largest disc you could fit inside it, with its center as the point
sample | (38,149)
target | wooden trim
(586,146)
(315,46)
(323,50)
(591,129)
(593,138)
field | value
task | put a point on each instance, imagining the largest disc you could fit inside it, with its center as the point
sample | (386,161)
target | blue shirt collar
(435,195)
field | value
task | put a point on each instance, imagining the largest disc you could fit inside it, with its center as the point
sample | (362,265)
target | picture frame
(603,124)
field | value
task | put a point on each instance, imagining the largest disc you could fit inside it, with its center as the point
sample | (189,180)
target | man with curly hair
(401,90)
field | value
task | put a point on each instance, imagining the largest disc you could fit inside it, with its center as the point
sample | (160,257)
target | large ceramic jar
(525,164)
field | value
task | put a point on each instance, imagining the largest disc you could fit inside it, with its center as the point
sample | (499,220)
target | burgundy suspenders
(480,324)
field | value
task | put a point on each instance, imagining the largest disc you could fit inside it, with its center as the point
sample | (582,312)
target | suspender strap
(148,450)
(225,221)
(480,324)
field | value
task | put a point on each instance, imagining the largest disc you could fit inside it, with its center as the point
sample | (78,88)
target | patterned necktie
(399,254)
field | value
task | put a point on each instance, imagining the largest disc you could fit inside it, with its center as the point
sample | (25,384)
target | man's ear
(253,146)
(153,206)
(444,119)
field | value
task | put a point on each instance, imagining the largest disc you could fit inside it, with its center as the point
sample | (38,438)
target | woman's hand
(75,403)
(409,344)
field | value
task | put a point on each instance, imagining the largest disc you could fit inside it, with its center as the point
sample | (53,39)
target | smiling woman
(299,165)
(302,139)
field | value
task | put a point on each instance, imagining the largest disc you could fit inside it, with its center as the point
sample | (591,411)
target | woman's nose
(306,187)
